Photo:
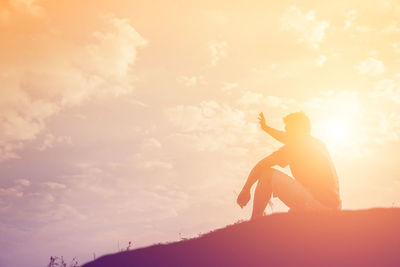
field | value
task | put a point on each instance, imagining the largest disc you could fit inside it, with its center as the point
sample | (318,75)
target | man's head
(297,124)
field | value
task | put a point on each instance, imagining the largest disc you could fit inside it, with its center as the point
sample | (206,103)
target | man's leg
(293,194)
(263,192)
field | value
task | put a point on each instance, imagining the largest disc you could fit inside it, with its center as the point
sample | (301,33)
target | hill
(343,238)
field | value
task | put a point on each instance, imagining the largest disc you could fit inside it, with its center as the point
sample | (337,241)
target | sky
(137,120)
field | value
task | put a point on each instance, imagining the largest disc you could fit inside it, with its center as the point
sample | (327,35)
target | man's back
(312,166)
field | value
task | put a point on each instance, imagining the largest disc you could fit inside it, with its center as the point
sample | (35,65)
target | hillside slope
(345,238)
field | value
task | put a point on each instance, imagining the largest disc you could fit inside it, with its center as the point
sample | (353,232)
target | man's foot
(256,216)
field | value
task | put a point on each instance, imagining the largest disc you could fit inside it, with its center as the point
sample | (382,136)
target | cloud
(11,191)
(250,98)
(393,27)
(149,162)
(152,143)
(205,116)
(50,140)
(190,81)
(23,182)
(31,6)
(113,50)
(59,73)
(211,126)
(228,87)
(320,61)
(351,16)
(387,127)
(157,164)
(371,66)
(218,50)
(55,185)
(219,17)
(396,47)
(14,191)
(388,90)
(8,151)
(305,25)
(11,10)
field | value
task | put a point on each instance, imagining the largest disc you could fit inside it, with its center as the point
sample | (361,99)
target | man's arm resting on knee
(265,163)
(244,196)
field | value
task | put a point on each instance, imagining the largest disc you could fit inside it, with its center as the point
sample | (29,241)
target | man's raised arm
(280,136)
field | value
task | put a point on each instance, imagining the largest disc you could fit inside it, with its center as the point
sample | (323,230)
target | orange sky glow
(137,120)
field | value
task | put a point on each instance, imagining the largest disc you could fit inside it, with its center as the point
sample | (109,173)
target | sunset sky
(137,120)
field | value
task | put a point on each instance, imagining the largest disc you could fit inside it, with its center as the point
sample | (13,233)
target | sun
(336,131)
(339,120)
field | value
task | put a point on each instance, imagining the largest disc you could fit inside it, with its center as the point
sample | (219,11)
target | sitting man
(315,186)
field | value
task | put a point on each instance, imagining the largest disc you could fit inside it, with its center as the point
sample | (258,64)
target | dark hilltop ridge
(341,238)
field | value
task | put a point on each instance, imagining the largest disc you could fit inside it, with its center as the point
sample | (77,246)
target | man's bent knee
(267,175)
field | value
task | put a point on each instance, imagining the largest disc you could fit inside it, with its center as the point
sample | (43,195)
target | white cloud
(307,27)
(204,116)
(8,151)
(11,10)
(371,66)
(152,143)
(211,126)
(363,29)
(387,127)
(388,89)
(55,185)
(392,28)
(38,89)
(30,6)
(114,49)
(14,191)
(190,80)
(23,182)
(250,98)
(228,87)
(351,16)
(50,140)
(219,17)
(157,164)
(320,61)
(218,50)
(138,103)
(11,191)
(396,47)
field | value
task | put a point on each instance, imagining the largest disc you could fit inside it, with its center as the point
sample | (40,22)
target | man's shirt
(312,166)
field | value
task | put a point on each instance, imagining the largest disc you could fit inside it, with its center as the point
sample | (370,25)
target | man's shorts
(293,194)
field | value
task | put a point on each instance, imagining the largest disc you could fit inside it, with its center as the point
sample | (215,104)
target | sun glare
(340,122)
(335,131)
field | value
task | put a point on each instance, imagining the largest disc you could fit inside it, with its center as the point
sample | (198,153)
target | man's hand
(261,119)
(243,198)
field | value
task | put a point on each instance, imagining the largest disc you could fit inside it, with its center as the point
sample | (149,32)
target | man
(315,186)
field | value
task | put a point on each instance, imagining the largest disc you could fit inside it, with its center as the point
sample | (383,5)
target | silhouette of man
(315,186)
